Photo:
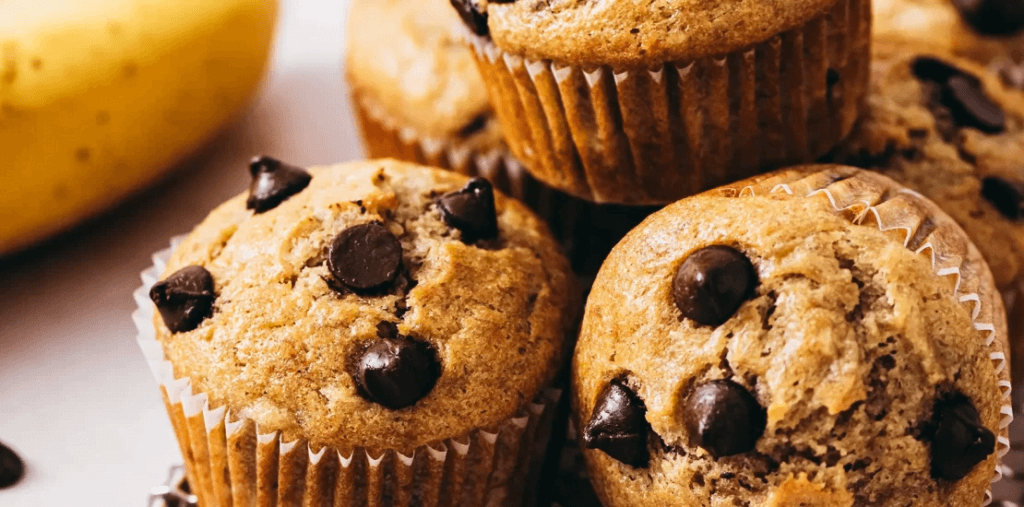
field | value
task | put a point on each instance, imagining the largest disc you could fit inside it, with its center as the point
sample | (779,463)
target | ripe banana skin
(99,97)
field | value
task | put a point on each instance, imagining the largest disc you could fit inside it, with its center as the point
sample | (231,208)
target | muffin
(418,97)
(376,332)
(817,337)
(986,31)
(417,93)
(949,129)
(648,102)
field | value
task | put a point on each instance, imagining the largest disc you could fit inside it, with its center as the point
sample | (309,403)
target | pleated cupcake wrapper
(864,197)
(587,230)
(230,461)
(1013,298)
(654,135)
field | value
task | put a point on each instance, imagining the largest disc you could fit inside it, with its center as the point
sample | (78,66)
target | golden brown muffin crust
(406,61)
(637,34)
(279,345)
(847,342)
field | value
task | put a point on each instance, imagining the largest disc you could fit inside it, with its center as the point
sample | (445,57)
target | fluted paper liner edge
(864,197)
(654,135)
(230,462)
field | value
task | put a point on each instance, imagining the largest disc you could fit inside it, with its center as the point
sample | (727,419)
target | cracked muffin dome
(373,304)
(766,344)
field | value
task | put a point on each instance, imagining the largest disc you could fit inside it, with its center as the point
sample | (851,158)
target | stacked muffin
(386,333)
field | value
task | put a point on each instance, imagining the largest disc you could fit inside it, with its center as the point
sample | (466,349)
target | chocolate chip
(185,298)
(471,210)
(971,107)
(958,439)
(471,15)
(475,125)
(618,425)
(396,373)
(724,418)
(962,94)
(993,17)
(712,283)
(11,467)
(365,256)
(272,182)
(1006,195)
(934,70)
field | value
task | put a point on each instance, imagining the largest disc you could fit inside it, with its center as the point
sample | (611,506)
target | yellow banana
(98,97)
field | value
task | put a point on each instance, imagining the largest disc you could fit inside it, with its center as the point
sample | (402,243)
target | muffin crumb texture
(337,306)
(849,347)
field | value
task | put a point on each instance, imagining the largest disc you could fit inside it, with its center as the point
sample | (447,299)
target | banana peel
(100,97)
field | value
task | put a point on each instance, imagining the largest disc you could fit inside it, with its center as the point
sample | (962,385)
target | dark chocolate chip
(365,256)
(471,15)
(185,298)
(471,210)
(958,439)
(618,425)
(971,107)
(272,182)
(993,17)
(11,467)
(712,283)
(475,125)
(934,70)
(724,418)
(1006,195)
(396,373)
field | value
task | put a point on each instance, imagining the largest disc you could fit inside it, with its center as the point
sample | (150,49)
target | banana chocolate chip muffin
(407,319)
(949,129)
(816,337)
(649,102)
(417,92)
(986,31)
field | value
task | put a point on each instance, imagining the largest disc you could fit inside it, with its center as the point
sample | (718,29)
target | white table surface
(77,401)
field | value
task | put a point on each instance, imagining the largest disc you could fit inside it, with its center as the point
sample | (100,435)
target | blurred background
(77,401)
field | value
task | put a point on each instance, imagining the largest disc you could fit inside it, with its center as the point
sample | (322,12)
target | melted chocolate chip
(185,298)
(993,17)
(618,425)
(1007,196)
(396,373)
(724,418)
(365,256)
(11,467)
(971,107)
(958,439)
(712,283)
(962,94)
(926,68)
(471,15)
(272,182)
(471,210)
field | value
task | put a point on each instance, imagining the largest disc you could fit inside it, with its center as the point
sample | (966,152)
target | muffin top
(982,30)
(378,304)
(407,63)
(760,347)
(634,34)
(954,132)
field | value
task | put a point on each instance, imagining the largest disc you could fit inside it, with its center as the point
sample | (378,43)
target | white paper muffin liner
(658,134)
(865,197)
(230,461)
